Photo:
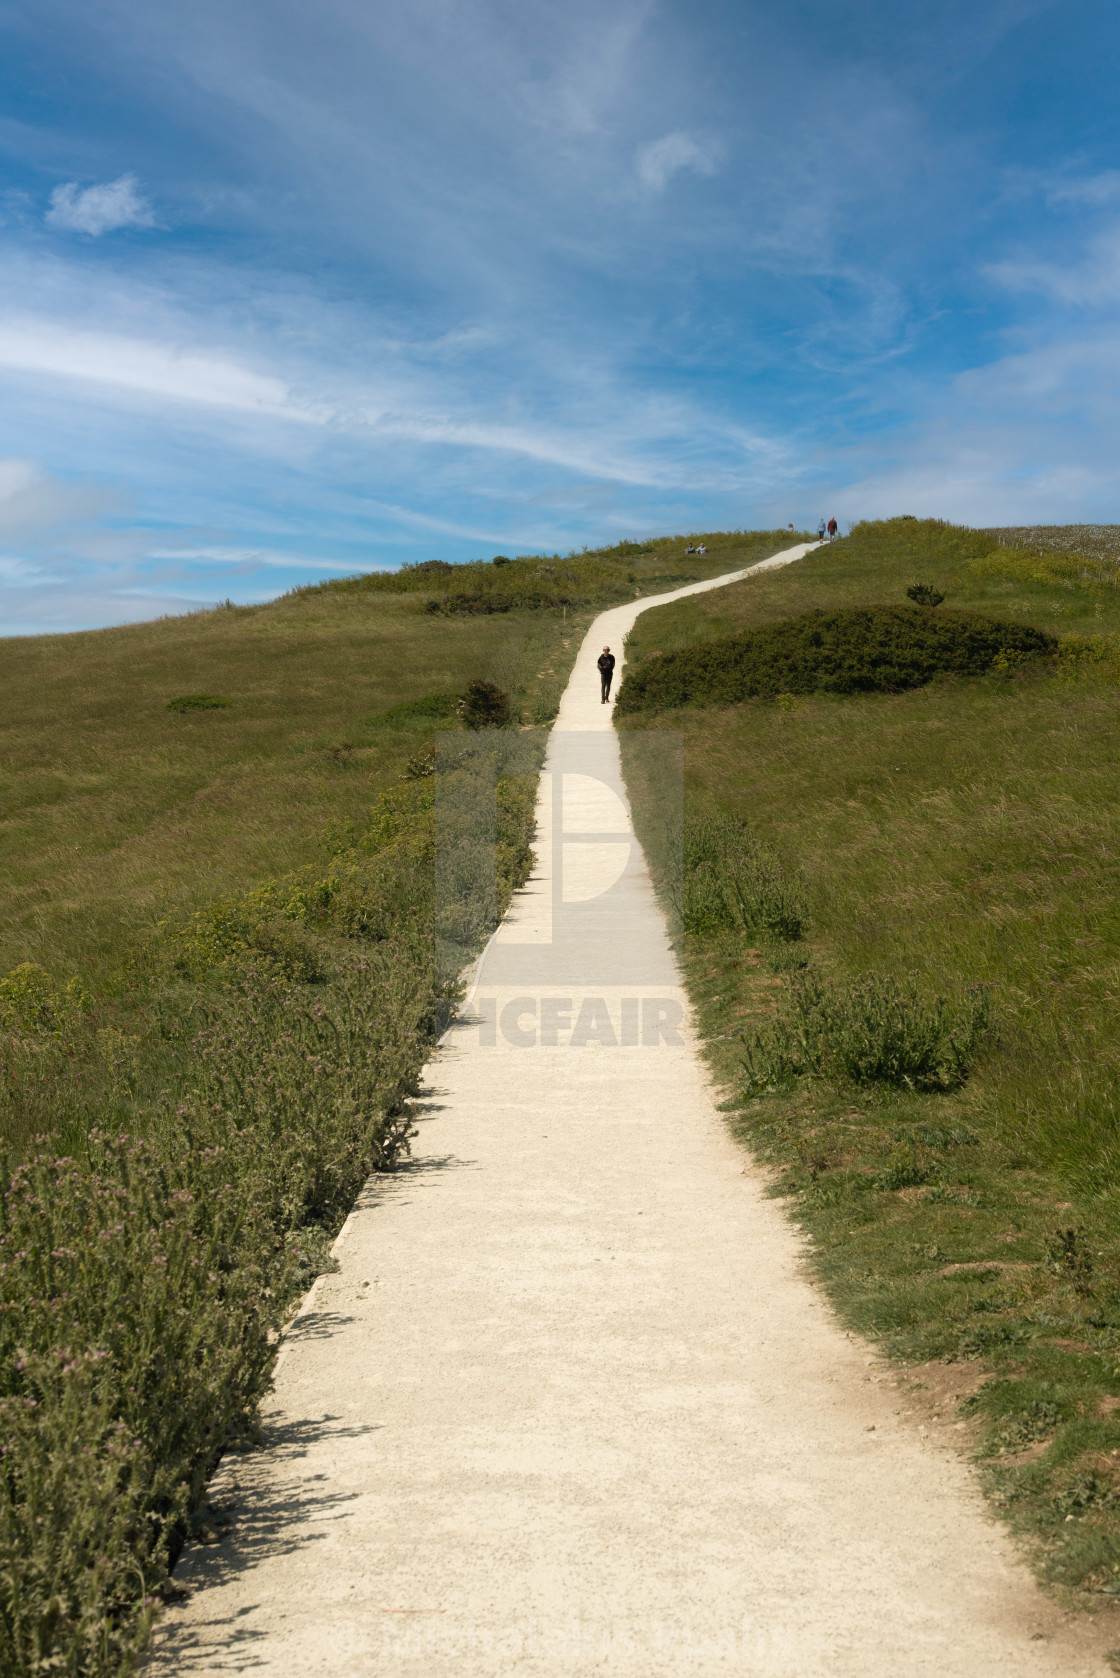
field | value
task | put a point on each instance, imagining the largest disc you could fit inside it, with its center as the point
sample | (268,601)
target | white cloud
(99,209)
(1092,190)
(142,365)
(1093,280)
(1026,439)
(659,160)
(250,557)
(404,405)
(15,569)
(33,503)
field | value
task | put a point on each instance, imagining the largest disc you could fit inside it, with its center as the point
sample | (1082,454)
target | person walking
(833,530)
(821,528)
(606,671)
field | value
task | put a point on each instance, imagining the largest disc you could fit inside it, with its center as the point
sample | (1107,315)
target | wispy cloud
(1092,279)
(459,274)
(250,558)
(34,503)
(659,160)
(1102,188)
(99,209)
(165,371)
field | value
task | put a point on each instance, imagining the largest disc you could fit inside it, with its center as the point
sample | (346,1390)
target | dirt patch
(932,1394)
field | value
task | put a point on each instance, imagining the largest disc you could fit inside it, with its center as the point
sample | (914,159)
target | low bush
(147,1268)
(873,1029)
(922,594)
(485,705)
(854,650)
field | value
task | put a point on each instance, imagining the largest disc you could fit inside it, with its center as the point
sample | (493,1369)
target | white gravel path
(570,1405)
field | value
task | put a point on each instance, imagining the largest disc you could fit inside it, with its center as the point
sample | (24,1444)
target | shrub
(873,1029)
(485,705)
(922,594)
(32,1004)
(146,1273)
(730,879)
(197,702)
(854,650)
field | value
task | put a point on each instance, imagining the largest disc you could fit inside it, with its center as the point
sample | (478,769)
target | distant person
(833,530)
(821,528)
(690,549)
(606,671)
(789,527)
(701,549)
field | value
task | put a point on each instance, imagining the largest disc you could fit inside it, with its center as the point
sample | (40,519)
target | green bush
(197,702)
(873,1029)
(148,1268)
(854,650)
(730,879)
(485,705)
(31,1003)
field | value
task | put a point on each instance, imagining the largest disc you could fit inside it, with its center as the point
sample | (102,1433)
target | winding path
(570,1405)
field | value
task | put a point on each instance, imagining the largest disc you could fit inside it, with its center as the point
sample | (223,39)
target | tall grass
(147,1267)
(874,1029)
(729,879)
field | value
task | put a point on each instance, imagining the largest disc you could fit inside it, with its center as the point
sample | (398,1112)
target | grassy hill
(115,812)
(222,966)
(902,931)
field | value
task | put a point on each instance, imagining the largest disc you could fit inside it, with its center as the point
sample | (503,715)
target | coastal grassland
(117,812)
(222,966)
(595,577)
(931,1068)
(218,988)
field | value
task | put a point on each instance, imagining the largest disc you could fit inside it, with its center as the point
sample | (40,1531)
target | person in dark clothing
(606,671)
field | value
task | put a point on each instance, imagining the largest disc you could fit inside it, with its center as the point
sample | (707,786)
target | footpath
(570,1405)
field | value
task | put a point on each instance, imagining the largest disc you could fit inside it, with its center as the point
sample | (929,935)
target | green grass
(964,834)
(118,812)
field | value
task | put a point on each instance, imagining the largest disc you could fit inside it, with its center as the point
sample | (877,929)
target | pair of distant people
(699,549)
(831,528)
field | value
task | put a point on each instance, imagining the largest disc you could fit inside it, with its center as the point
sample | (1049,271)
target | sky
(292,291)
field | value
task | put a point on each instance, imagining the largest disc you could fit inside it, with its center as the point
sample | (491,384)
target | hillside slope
(955,1160)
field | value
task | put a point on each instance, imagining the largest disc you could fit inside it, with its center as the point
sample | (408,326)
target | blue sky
(290,291)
